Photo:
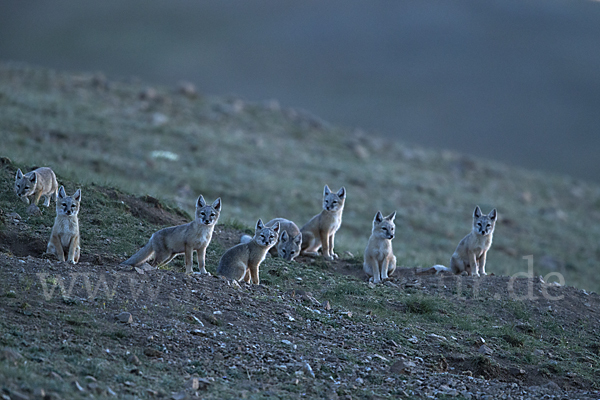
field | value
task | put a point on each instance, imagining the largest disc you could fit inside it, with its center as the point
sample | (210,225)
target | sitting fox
(243,260)
(320,231)
(290,239)
(471,252)
(182,239)
(380,261)
(37,183)
(64,239)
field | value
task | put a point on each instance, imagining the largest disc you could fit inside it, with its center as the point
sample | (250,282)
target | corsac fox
(290,239)
(64,239)
(37,183)
(243,260)
(320,231)
(380,261)
(182,239)
(471,252)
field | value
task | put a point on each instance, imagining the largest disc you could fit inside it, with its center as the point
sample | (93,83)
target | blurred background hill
(512,80)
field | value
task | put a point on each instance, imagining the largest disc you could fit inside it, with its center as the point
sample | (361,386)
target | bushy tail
(141,256)
(245,239)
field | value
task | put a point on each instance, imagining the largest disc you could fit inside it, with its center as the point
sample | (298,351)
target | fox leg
(73,246)
(201,253)
(77,254)
(370,269)
(391,266)
(481,262)
(247,276)
(325,246)
(253,269)
(473,265)
(331,244)
(457,265)
(189,259)
(36,197)
(163,256)
(55,247)
(310,244)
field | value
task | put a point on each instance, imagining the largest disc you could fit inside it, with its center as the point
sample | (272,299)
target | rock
(149,93)
(34,210)
(188,89)
(125,318)
(78,387)
(18,396)
(360,381)
(192,384)
(413,339)
(552,386)
(538,353)
(400,367)
(179,396)
(111,392)
(326,305)
(133,359)
(150,352)
(485,350)
(434,336)
(307,369)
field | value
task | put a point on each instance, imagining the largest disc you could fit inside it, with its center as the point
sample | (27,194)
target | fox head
(265,236)
(208,214)
(289,247)
(384,227)
(68,205)
(25,184)
(333,201)
(484,224)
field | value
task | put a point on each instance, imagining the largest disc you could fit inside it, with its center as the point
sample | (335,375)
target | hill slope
(269,162)
(310,330)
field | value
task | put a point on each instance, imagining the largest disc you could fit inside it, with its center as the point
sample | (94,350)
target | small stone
(34,210)
(360,381)
(111,392)
(538,353)
(179,396)
(125,318)
(485,350)
(188,89)
(326,305)
(149,93)
(78,386)
(133,359)
(413,339)
(193,384)
(399,367)
(150,352)
(307,369)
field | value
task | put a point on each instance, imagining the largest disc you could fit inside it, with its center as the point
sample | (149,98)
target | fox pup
(471,252)
(64,240)
(37,183)
(290,239)
(242,260)
(380,261)
(320,231)
(182,239)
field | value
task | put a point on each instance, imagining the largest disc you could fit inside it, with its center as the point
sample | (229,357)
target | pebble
(125,318)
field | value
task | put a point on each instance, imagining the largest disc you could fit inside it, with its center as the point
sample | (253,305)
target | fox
(243,260)
(471,252)
(36,183)
(290,239)
(320,231)
(380,261)
(65,240)
(169,242)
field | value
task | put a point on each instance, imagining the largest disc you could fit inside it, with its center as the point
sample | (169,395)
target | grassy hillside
(268,162)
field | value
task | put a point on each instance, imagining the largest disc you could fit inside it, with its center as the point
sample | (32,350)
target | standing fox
(182,239)
(471,252)
(380,261)
(290,239)
(320,231)
(242,260)
(37,183)
(64,239)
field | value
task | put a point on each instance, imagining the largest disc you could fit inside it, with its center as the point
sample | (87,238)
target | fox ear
(61,192)
(200,202)
(284,237)
(378,217)
(77,195)
(477,212)
(493,214)
(391,217)
(326,190)
(298,239)
(342,192)
(33,178)
(276,227)
(19,174)
(217,204)
(259,224)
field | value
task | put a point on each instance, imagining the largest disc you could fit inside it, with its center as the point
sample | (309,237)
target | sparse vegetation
(255,340)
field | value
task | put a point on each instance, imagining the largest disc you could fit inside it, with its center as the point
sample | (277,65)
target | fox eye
(293,252)
(479,224)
